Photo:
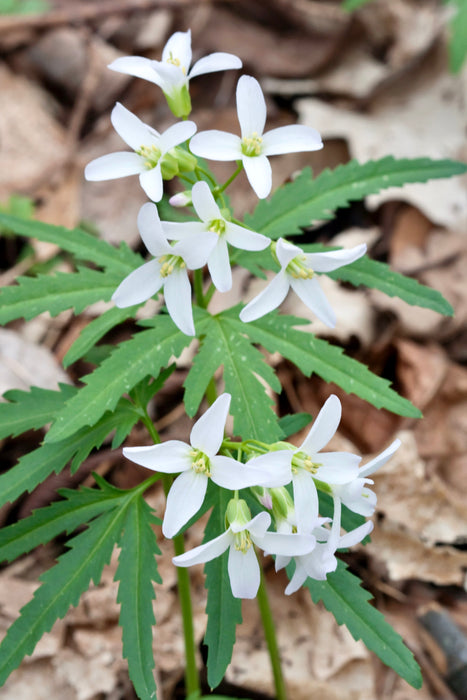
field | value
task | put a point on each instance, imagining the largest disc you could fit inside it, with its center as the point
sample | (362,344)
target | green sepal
(179,101)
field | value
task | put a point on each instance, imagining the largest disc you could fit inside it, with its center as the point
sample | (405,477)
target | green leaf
(343,595)
(306,200)
(225,344)
(95,330)
(55,293)
(34,467)
(223,610)
(81,244)
(351,5)
(137,570)
(30,410)
(144,354)
(310,354)
(458,40)
(77,508)
(61,587)
(293,423)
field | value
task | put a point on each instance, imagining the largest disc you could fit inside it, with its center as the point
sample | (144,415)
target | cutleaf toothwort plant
(266,495)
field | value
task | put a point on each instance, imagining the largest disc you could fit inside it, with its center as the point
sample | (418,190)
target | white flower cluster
(157,157)
(300,533)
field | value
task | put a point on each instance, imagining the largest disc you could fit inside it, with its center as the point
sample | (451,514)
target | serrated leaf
(458,40)
(30,410)
(77,508)
(293,423)
(146,353)
(95,330)
(310,354)
(344,597)
(306,200)
(61,587)
(81,244)
(55,293)
(223,610)
(34,467)
(224,344)
(137,571)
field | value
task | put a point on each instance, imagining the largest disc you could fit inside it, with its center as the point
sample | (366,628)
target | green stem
(270,636)
(231,178)
(198,287)
(150,427)
(201,171)
(183,578)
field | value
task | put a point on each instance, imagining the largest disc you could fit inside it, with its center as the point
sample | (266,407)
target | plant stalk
(271,640)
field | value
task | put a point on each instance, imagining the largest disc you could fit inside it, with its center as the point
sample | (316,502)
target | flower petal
(151,182)
(204,202)
(355,536)
(216,145)
(291,139)
(244,572)
(151,231)
(285,544)
(309,291)
(179,47)
(243,238)
(270,298)
(381,459)
(215,62)
(208,431)
(337,467)
(324,426)
(305,500)
(257,526)
(286,252)
(135,65)
(113,166)
(171,78)
(183,230)
(327,262)
(298,579)
(275,468)
(219,266)
(258,172)
(205,552)
(184,500)
(169,457)
(251,106)
(131,129)
(232,475)
(139,286)
(176,134)
(196,251)
(177,293)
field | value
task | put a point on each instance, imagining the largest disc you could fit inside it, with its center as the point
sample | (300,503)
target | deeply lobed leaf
(30,410)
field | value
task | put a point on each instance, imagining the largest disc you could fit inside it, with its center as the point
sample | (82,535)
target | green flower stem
(150,426)
(270,636)
(231,178)
(201,171)
(198,286)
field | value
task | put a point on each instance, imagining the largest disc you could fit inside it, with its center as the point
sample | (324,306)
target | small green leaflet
(146,353)
(226,345)
(76,508)
(81,244)
(293,423)
(137,572)
(310,354)
(344,597)
(30,410)
(55,293)
(62,586)
(458,29)
(95,330)
(223,610)
(306,200)
(34,467)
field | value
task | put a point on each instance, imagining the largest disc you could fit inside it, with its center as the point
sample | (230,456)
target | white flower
(243,567)
(253,147)
(172,74)
(150,152)
(355,495)
(168,270)
(200,462)
(297,272)
(227,232)
(310,463)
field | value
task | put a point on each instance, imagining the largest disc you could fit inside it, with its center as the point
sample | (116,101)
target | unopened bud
(181,199)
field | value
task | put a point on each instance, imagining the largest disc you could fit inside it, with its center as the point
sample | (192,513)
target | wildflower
(253,147)
(242,533)
(172,74)
(227,232)
(355,495)
(167,270)
(298,272)
(198,462)
(154,158)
